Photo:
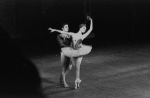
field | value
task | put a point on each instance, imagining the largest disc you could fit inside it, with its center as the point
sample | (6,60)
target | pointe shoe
(77,84)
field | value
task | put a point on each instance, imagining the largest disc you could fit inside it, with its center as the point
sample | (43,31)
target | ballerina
(77,50)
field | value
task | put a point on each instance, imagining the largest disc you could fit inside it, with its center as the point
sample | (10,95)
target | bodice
(76,41)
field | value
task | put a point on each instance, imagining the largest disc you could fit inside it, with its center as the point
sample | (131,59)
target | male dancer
(64,41)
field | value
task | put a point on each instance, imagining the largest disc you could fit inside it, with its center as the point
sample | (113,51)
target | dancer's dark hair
(81,25)
(64,24)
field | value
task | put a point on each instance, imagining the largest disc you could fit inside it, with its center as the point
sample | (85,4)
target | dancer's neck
(79,32)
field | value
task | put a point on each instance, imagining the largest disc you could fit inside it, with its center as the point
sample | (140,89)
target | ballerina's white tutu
(83,50)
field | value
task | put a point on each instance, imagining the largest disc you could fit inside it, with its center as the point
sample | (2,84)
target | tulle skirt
(70,52)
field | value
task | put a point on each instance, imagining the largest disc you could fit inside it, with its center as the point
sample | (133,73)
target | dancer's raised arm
(91,28)
(60,31)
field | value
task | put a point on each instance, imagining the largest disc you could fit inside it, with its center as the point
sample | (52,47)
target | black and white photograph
(74,49)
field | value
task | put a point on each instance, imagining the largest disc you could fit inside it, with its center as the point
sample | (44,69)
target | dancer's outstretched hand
(88,17)
(51,30)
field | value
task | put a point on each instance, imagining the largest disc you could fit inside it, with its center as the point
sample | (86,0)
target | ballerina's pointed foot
(77,84)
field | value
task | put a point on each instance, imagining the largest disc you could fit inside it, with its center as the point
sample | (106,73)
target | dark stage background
(123,21)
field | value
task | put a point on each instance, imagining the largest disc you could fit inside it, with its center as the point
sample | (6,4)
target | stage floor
(107,72)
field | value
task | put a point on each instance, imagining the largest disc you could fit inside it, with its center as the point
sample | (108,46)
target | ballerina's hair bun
(81,25)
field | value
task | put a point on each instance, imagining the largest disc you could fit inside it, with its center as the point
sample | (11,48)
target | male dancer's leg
(66,66)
